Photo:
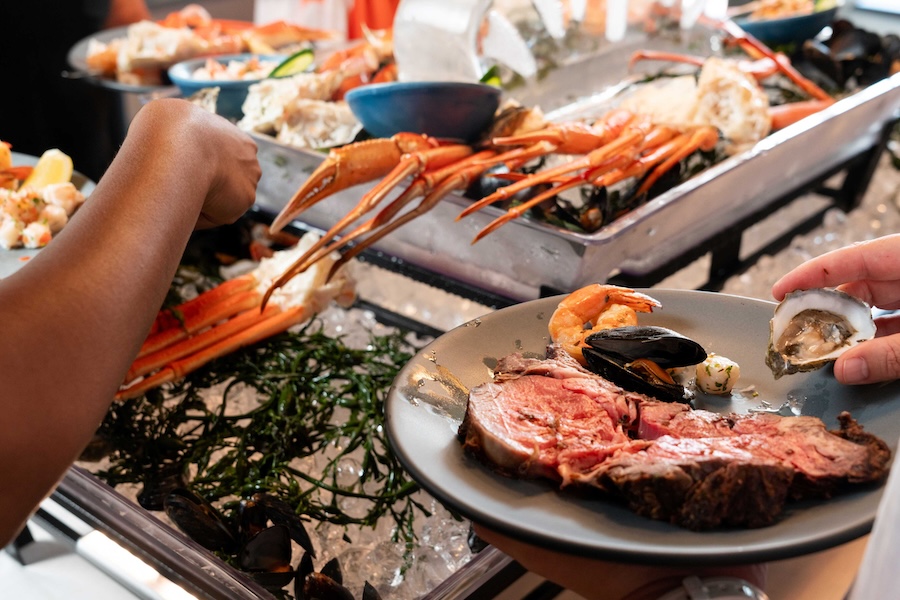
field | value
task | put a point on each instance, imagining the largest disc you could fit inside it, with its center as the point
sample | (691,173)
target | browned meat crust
(553,419)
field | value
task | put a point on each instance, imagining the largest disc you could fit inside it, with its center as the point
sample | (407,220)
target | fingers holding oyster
(869,271)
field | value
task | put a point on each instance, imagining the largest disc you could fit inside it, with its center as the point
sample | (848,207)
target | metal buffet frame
(83,506)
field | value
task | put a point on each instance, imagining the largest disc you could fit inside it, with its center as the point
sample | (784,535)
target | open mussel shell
(260,508)
(636,358)
(663,346)
(634,377)
(811,328)
(267,557)
(322,587)
(268,550)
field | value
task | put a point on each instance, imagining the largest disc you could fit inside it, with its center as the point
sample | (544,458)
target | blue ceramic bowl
(231,93)
(790,29)
(442,109)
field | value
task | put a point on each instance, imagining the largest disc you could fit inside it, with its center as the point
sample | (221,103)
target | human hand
(604,580)
(870,271)
(207,151)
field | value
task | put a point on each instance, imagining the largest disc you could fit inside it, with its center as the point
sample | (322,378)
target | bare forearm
(73,319)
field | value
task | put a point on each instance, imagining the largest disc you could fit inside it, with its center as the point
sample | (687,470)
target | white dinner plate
(13,260)
(427,403)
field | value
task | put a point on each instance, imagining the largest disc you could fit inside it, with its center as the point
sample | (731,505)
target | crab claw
(351,165)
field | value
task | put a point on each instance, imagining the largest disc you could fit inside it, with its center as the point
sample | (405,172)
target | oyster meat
(811,328)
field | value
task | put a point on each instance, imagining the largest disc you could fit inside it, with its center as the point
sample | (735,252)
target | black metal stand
(22,541)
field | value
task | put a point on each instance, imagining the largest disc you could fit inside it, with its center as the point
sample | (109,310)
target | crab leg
(215,312)
(757,49)
(759,69)
(190,315)
(609,164)
(421,186)
(614,163)
(632,136)
(567,138)
(644,163)
(788,114)
(351,165)
(703,138)
(660,145)
(191,345)
(416,163)
(460,180)
(260,329)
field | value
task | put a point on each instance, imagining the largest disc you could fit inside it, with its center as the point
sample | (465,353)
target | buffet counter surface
(71,558)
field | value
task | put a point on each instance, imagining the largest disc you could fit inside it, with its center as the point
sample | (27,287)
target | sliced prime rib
(537,416)
(551,418)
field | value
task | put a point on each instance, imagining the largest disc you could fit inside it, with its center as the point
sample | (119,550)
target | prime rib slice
(551,418)
(538,415)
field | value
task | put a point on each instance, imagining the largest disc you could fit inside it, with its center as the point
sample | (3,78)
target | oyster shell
(811,328)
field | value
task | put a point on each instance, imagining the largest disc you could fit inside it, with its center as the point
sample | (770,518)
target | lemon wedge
(54,166)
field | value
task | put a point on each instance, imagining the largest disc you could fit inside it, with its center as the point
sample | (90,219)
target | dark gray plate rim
(77,58)
(427,402)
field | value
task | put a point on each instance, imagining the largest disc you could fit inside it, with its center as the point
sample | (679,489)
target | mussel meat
(637,358)
(811,328)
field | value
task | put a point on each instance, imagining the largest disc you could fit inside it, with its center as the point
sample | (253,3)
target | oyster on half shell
(811,328)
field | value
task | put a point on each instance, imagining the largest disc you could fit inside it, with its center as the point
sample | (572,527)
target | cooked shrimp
(593,308)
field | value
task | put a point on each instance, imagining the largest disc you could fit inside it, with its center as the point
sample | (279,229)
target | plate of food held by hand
(725,479)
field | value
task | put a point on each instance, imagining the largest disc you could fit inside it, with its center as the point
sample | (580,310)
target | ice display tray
(524,257)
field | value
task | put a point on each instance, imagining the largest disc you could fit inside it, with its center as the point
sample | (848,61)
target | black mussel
(663,346)
(305,567)
(316,586)
(268,550)
(273,581)
(333,569)
(849,56)
(267,557)
(640,375)
(281,513)
(252,517)
(370,593)
(476,544)
(200,521)
(158,485)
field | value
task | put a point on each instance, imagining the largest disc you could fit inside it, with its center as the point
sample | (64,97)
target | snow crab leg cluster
(631,142)
(229,317)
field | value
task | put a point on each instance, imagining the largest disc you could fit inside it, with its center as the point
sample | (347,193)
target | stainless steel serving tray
(523,256)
